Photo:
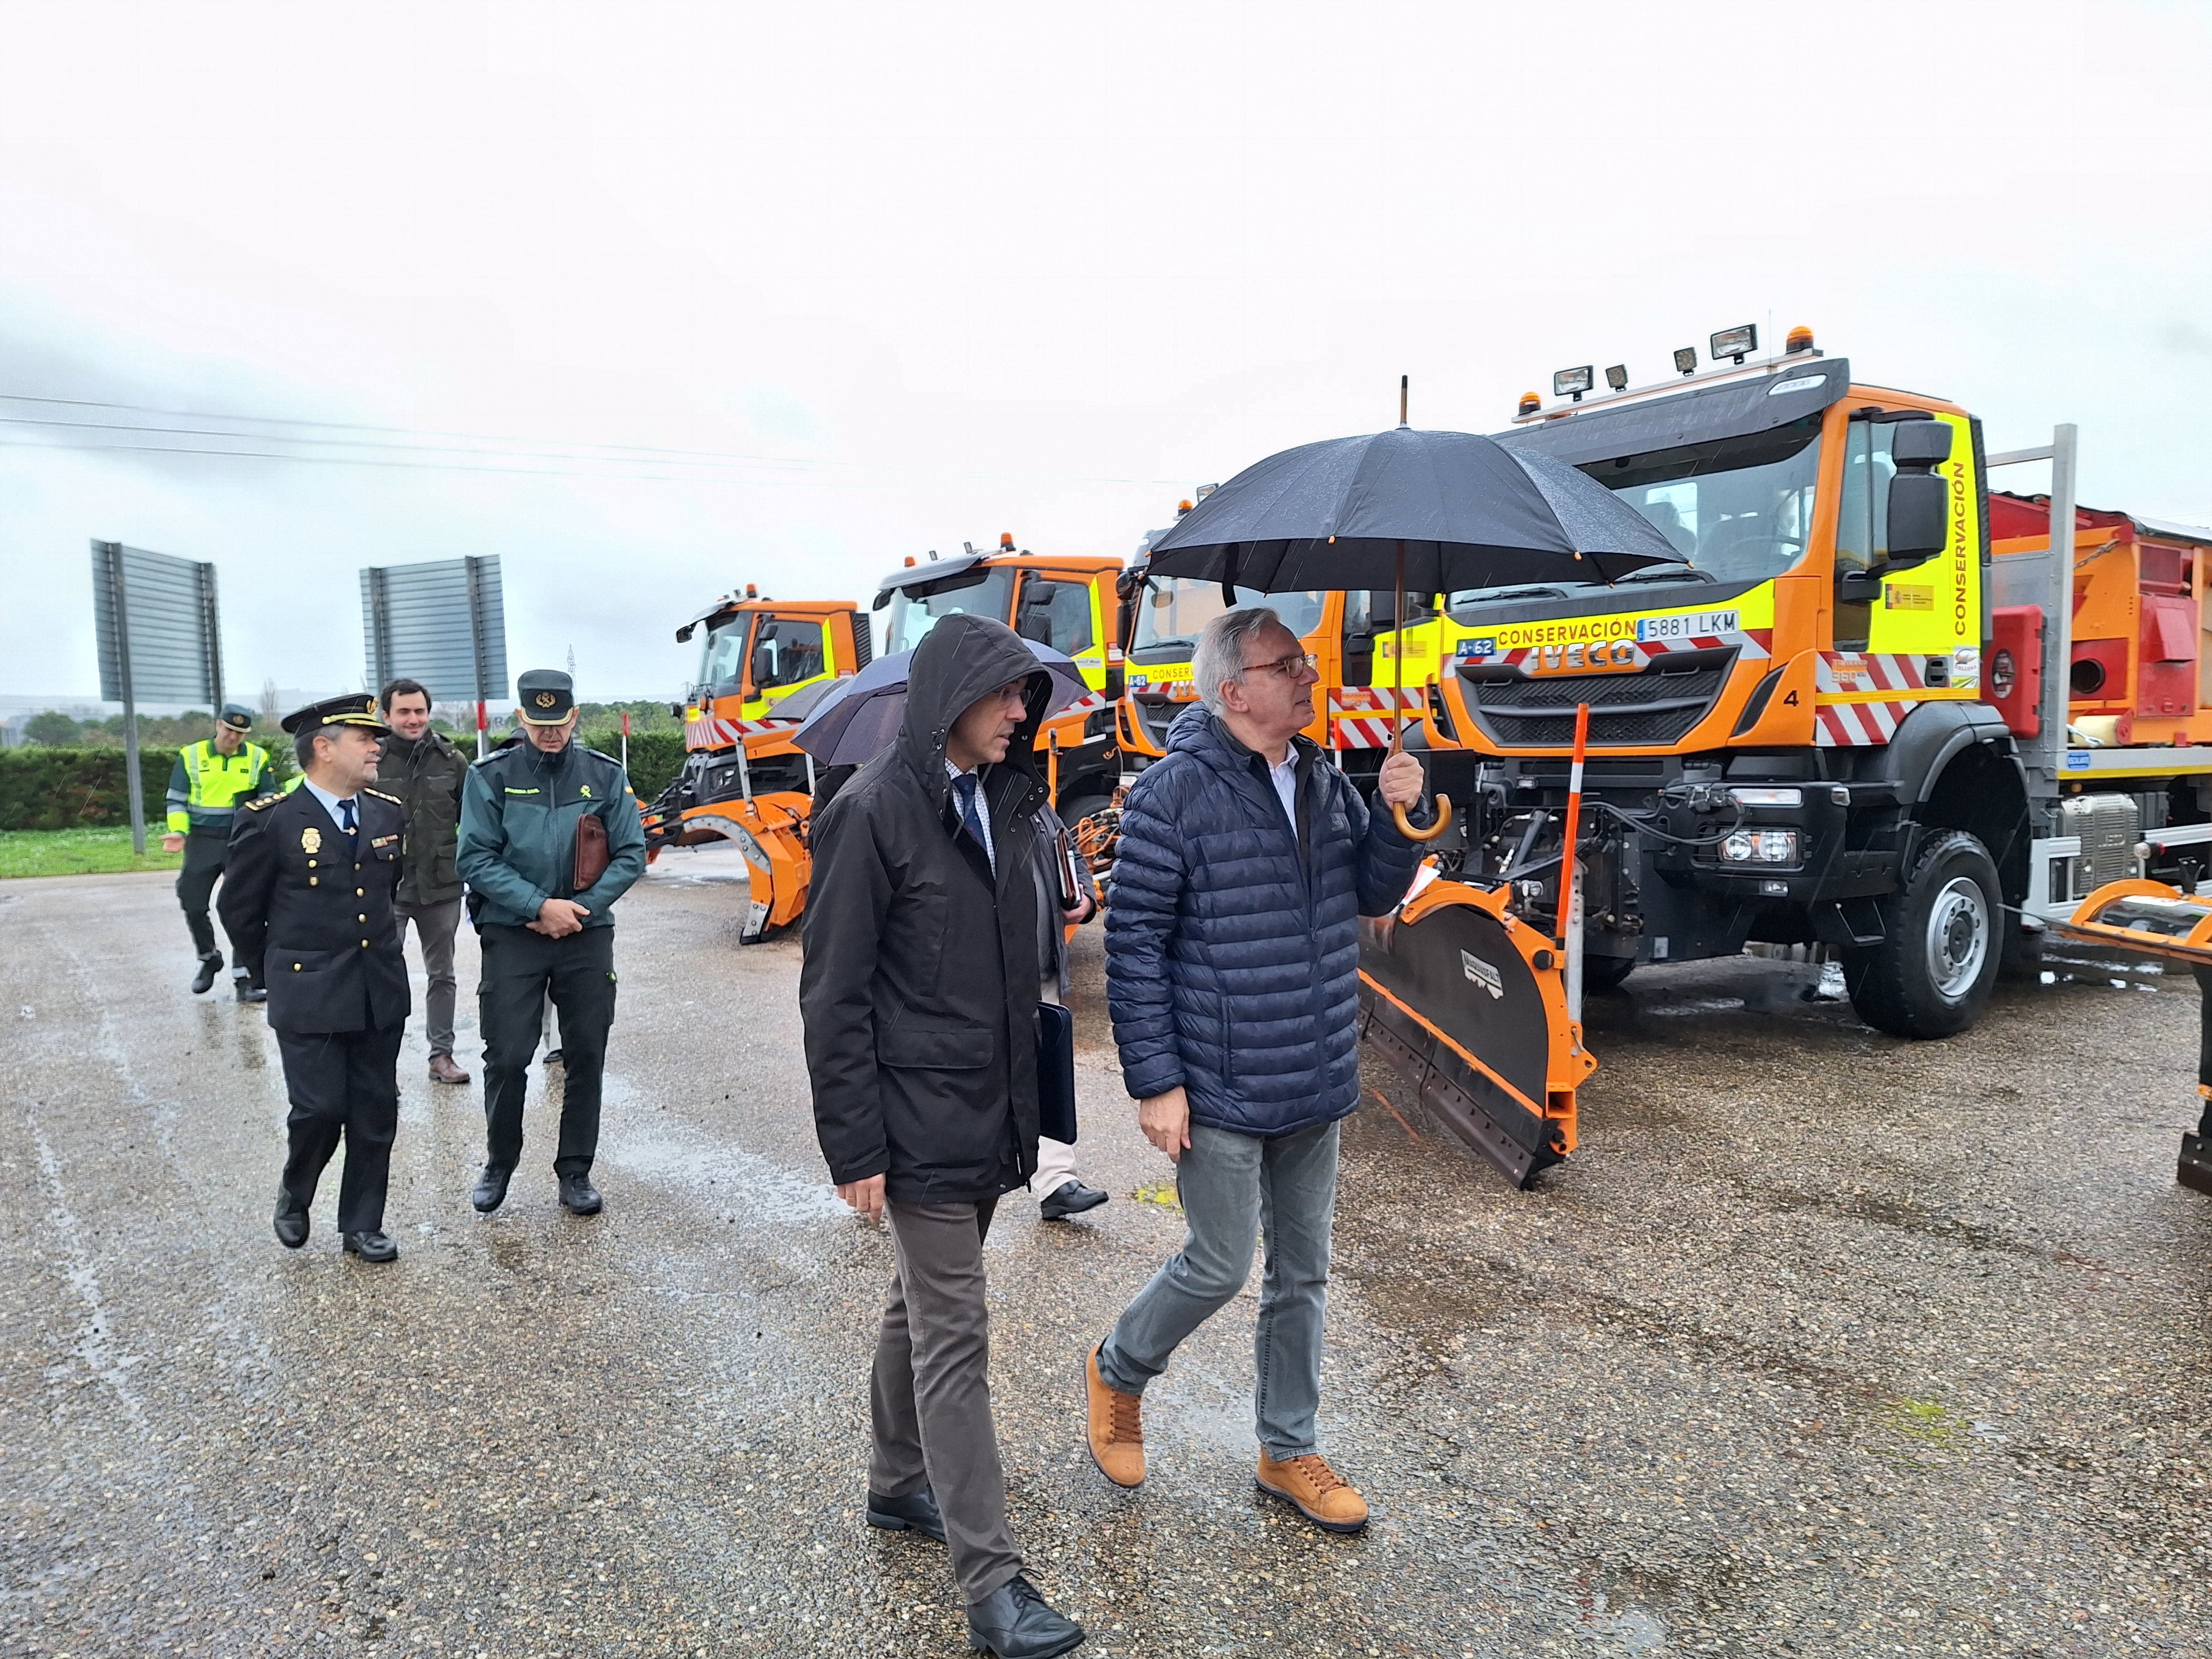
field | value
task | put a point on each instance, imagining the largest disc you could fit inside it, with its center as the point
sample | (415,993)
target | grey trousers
(930,1398)
(435,925)
(1235,1187)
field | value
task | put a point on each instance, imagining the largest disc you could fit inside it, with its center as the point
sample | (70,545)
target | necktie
(347,822)
(964,787)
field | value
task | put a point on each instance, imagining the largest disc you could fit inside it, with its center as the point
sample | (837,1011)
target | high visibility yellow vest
(214,782)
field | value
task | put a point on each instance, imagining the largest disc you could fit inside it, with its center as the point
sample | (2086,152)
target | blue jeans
(1235,1187)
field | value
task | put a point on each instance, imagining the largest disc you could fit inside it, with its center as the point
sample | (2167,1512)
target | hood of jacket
(958,661)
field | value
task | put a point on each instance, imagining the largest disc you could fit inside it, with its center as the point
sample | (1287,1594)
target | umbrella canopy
(1459,510)
(856,719)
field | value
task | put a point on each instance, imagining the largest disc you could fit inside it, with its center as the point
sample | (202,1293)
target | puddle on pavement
(699,867)
(757,1188)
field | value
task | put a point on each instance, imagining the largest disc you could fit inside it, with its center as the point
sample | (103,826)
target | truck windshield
(911,618)
(1174,608)
(722,656)
(1740,508)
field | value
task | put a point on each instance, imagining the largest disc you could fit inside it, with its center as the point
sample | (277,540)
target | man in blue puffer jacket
(1232,958)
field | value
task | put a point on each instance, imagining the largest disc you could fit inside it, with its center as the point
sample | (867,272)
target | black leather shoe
(1070,1198)
(370,1247)
(1013,1622)
(291,1221)
(552,1057)
(210,965)
(490,1190)
(578,1195)
(249,992)
(915,1512)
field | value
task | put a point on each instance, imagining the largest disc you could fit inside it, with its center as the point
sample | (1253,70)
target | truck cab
(1791,737)
(755,652)
(1064,601)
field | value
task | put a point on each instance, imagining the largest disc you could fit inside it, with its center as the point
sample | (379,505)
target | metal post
(211,628)
(114,553)
(477,653)
(2059,633)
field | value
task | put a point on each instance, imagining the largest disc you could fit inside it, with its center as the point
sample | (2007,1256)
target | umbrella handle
(1405,827)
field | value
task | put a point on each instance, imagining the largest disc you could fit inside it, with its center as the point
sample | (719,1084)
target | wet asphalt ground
(1825,1343)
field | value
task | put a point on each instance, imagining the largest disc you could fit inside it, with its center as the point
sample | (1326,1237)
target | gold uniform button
(361,892)
(314,881)
(360,918)
(295,967)
(364,944)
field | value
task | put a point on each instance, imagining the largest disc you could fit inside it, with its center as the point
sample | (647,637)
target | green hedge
(50,788)
(43,788)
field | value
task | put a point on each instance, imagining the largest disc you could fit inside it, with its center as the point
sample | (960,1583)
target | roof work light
(1736,342)
(1685,360)
(1617,377)
(1573,382)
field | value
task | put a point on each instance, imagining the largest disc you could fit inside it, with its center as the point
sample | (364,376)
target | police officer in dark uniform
(551,838)
(308,902)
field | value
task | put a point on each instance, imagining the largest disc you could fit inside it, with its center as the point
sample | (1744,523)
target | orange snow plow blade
(1470,1003)
(2145,916)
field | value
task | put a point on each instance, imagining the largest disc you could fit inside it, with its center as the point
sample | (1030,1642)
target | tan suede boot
(1319,1493)
(1117,1436)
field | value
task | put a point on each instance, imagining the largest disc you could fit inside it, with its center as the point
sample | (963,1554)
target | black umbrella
(1429,512)
(1424,512)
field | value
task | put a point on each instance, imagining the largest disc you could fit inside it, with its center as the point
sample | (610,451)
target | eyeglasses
(1288,667)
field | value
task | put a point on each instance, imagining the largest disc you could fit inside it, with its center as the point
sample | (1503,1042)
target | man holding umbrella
(1246,860)
(919,993)
(1231,948)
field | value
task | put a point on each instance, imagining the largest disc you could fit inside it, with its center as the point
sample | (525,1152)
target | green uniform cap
(544,696)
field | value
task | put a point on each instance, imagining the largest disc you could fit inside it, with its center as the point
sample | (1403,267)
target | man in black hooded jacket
(918,994)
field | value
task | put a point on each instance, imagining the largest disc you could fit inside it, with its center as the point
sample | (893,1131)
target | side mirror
(763,666)
(1919,517)
(1920,501)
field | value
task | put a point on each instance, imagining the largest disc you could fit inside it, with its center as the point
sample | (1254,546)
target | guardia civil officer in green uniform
(212,780)
(544,931)
(308,905)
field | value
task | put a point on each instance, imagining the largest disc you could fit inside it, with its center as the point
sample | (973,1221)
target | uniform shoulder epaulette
(264,804)
(381,795)
(601,754)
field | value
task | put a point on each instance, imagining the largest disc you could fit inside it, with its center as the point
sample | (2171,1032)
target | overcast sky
(895,277)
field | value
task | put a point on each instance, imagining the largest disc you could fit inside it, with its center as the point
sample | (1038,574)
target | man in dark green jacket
(425,772)
(543,933)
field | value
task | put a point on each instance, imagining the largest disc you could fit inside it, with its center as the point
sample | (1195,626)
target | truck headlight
(1755,797)
(1761,847)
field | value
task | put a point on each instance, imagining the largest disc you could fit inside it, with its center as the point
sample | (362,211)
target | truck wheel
(1606,973)
(1931,974)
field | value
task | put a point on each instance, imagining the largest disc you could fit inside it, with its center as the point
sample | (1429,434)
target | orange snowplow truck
(1061,600)
(761,663)
(1874,714)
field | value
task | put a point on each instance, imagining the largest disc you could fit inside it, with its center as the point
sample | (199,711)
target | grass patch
(79,853)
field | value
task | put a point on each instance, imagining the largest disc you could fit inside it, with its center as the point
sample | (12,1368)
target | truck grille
(1158,716)
(1656,705)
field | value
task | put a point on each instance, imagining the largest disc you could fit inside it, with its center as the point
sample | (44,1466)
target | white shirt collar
(330,802)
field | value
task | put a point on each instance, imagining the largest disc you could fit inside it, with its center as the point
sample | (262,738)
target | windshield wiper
(1673,573)
(1499,595)
(1160,645)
